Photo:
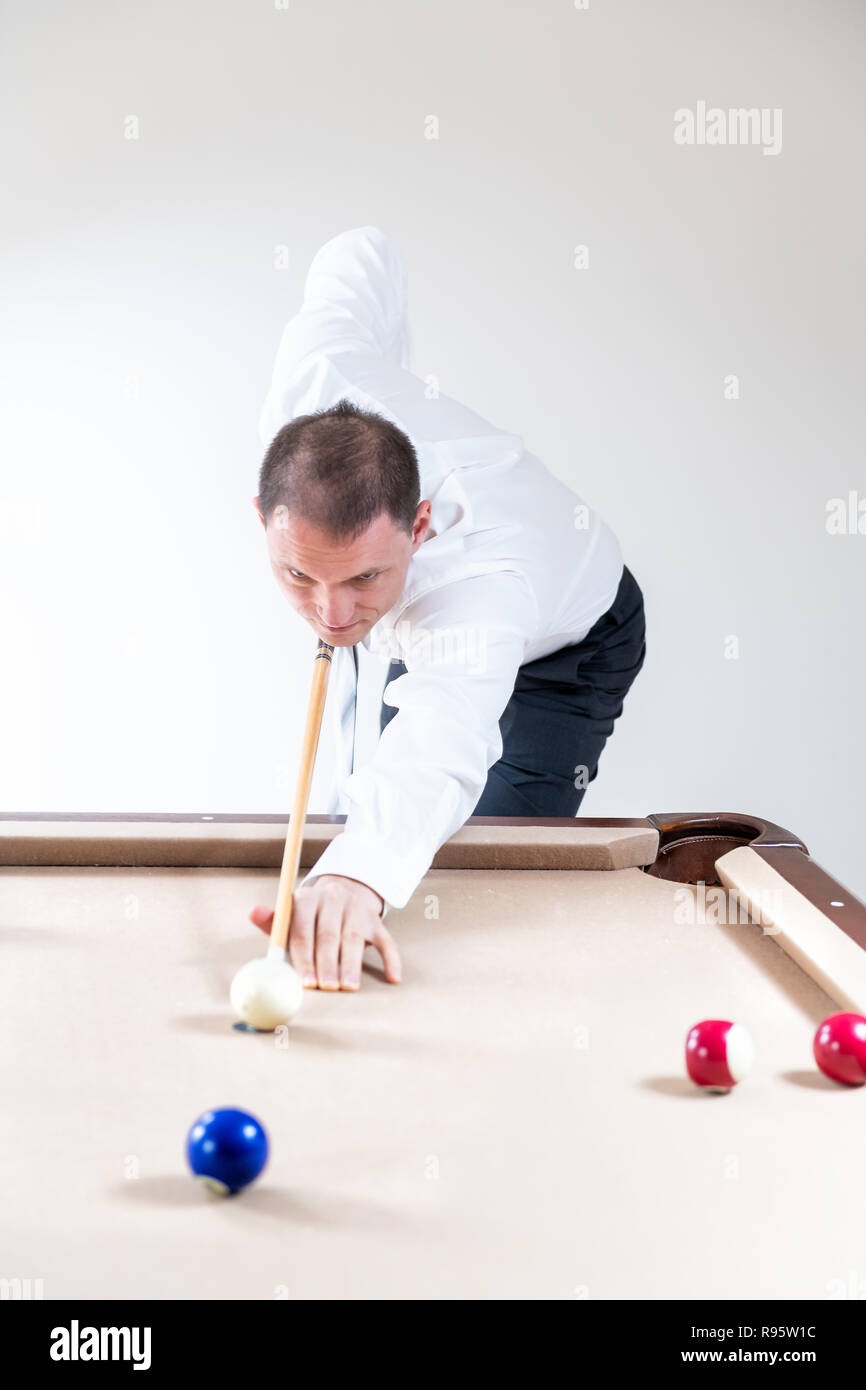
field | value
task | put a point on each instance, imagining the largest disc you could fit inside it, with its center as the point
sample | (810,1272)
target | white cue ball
(266,992)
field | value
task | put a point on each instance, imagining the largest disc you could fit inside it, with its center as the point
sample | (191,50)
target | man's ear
(422,524)
(259,512)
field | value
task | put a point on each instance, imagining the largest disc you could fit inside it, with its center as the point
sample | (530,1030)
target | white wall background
(150,663)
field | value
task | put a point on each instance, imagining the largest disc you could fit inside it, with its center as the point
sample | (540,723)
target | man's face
(342,588)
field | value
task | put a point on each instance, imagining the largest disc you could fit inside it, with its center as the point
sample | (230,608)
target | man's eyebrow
(374,569)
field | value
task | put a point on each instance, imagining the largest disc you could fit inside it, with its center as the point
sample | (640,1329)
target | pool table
(513,1121)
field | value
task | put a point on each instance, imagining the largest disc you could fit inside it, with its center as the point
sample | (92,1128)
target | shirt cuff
(354,856)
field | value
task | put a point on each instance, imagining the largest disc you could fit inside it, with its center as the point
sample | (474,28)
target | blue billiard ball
(227,1149)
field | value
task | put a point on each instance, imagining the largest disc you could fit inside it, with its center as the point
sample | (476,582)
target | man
(420,541)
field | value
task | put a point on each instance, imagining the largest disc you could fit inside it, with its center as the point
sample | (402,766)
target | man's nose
(336,610)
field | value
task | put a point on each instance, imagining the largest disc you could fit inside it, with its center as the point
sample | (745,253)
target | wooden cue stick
(295,837)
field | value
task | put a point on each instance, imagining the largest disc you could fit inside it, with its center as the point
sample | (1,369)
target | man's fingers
(302,937)
(351,951)
(387,948)
(262,917)
(329,927)
(328,934)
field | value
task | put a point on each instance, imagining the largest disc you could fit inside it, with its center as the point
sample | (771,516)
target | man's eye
(366,577)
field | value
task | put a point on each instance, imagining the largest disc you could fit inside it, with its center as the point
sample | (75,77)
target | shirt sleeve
(351,338)
(462,646)
(354,310)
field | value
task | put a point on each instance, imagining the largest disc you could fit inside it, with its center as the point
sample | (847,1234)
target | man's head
(339,497)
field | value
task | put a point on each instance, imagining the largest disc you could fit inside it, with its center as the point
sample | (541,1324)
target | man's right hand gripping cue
(333,919)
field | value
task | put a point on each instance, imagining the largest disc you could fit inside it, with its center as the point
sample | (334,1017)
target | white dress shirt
(516,566)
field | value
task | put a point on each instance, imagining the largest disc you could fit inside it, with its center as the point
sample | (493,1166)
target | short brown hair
(340,468)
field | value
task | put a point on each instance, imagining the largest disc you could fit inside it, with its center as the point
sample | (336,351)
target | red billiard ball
(718,1054)
(840,1048)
